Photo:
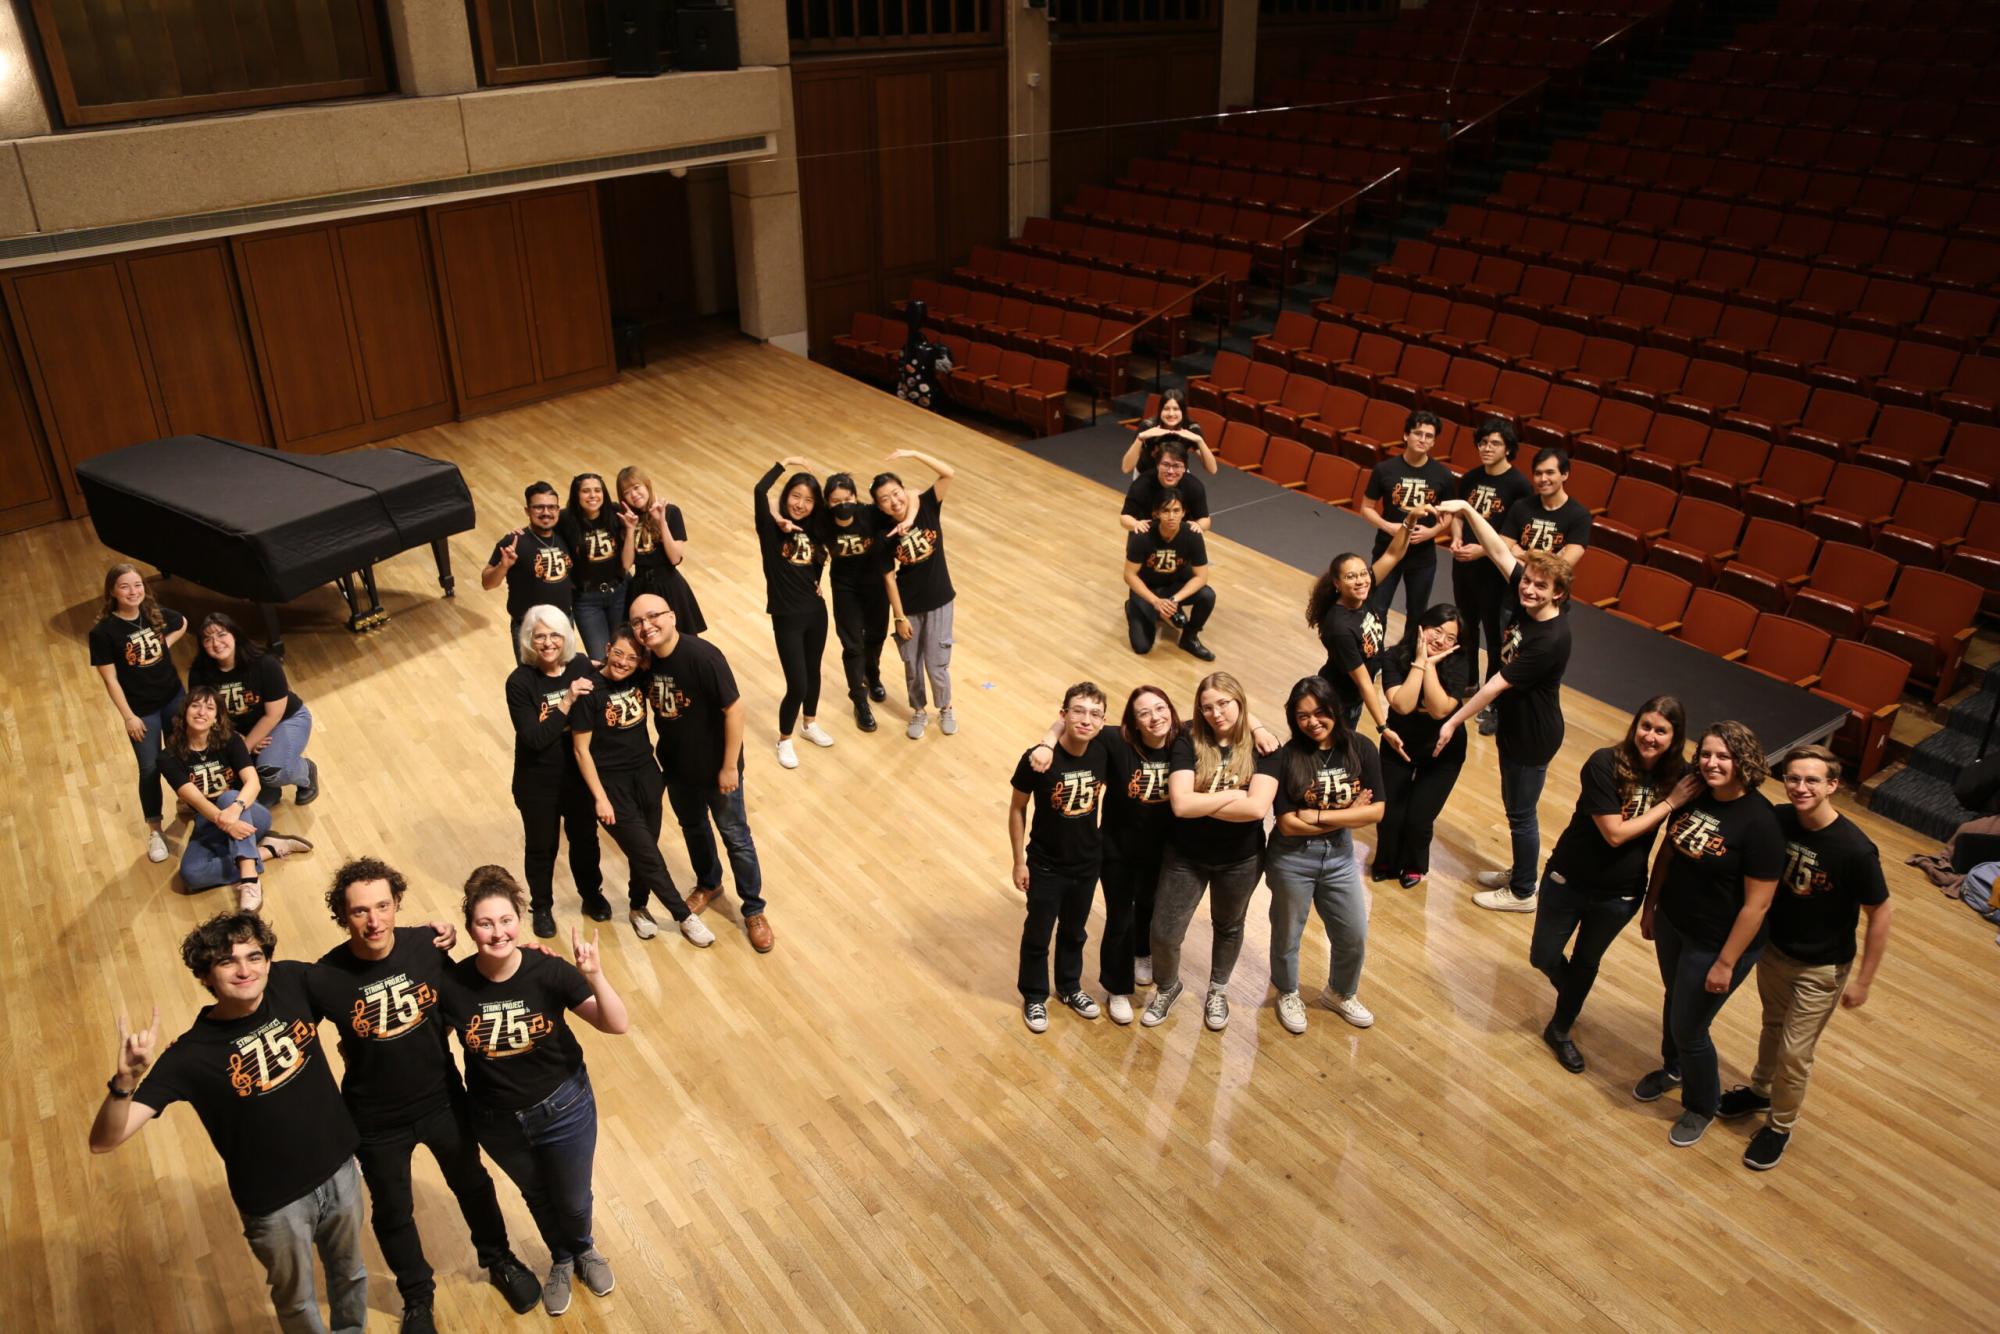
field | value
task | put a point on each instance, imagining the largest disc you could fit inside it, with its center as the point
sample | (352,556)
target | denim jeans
(282,762)
(147,752)
(1566,909)
(327,1219)
(385,1155)
(597,613)
(547,1151)
(1685,1045)
(210,856)
(1520,794)
(1059,906)
(695,804)
(1182,883)
(1321,873)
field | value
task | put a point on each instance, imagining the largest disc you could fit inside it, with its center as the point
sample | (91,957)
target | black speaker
(705,37)
(634,30)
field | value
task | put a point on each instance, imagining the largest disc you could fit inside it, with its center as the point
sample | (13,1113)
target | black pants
(1415,572)
(635,796)
(1143,622)
(1415,794)
(546,815)
(1058,905)
(385,1154)
(1128,919)
(801,637)
(861,619)
(1480,594)
(1595,919)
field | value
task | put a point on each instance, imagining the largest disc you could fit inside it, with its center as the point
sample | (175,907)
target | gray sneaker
(1163,1000)
(918,721)
(596,1272)
(1215,1010)
(947,722)
(555,1292)
(1688,1129)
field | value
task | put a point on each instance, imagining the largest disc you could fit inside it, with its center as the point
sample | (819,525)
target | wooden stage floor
(856,1132)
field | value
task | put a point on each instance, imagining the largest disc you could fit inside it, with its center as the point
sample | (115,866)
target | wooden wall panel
(1114,99)
(485,298)
(193,326)
(974,161)
(836,172)
(292,284)
(906,169)
(648,247)
(563,249)
(29,491)
(394,307)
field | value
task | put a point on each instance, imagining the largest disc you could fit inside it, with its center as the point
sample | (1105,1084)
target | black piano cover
(253,523)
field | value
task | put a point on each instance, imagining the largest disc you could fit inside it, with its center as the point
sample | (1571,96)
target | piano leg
(441,549)
(274,640)
(376,617)
(345,583)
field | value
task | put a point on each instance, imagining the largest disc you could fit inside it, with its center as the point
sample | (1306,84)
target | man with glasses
(1832,875)
(533,562)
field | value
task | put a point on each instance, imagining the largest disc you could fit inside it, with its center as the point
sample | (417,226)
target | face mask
(846,511)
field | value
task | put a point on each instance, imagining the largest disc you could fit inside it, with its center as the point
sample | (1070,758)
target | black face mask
(846,511)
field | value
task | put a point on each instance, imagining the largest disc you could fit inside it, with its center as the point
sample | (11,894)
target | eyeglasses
(648,618)
(543,509)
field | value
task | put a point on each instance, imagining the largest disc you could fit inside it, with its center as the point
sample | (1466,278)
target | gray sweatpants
(927,653)
(1182,884)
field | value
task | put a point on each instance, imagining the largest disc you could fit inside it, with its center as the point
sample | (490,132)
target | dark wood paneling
(906,169)
(835,117)
(1118,98)
(80,343)
(974,160)
(563,251)
(29,492)
(485,298)
(394,307)
(648,247)
(193,327)
(292,285)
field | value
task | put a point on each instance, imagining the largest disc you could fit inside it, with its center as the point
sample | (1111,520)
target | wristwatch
(111,1087)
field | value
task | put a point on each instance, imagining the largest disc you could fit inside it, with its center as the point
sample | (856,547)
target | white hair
(536,618)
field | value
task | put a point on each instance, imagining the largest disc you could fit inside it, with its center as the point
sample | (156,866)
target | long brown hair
(1672,762)
(149,610)
(629,474)
(1128,726)
(1211,768)
(218,735)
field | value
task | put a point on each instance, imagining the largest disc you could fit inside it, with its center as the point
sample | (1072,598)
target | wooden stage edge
(856,1132)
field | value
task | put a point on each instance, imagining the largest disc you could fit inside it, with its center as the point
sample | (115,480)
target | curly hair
(357,872)
(219,733)
(1326,588)
(215,940)
(1744,749)
(492,882)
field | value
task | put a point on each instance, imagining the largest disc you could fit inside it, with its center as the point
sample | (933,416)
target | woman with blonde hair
(1220,790)
(132,648)
(656,538)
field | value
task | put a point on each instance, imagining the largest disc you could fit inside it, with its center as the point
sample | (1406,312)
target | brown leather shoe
(760,933)
(698,899)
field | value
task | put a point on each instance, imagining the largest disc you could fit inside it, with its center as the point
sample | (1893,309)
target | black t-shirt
(518,1047)
(1401,487)
(1717,846)
(613,715)
(1165,565)
(540,574)
(144,665)
(689,689)
(1533,656)
(1586,862)
(398,1066)
(594,546)
(1353,638)
(264,1095)
(214,769)
(1537,528)
(543,757)
(1830,874)
(646,550)
(245,688)
(1143,496)
(1311,779)
(1205,840)
(1417,728)
(1149,453)
(922,580)
(792,561)
(1493,497)
(1136,810)
(1062,832)
(858,556)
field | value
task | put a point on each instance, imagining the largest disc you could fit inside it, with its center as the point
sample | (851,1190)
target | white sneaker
(696,932)
(1120,1008)
(643,924)
(816,734)
(1215,1010)
(1349,1008)
(1504,900)
(918,721)
(1495,879)
(787,757)
(1292,1012)
(156,846)
(1142,970)
(947,722)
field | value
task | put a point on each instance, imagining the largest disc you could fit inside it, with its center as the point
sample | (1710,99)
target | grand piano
(253,523)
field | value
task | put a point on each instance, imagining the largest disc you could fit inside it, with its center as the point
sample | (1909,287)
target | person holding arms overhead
(921,598)
(860,602)
(1349,607)
(793,543)
(1493,486)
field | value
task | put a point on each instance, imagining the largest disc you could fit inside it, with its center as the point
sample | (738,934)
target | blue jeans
(547,1151)
(597,613)
(1685,1045)
(694,805)
(282,762)
(1320,873)
(211,855)
(1595,919)
(147,752)
(327,1219)
(1520,793)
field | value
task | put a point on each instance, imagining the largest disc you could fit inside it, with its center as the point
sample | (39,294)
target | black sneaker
(597,908)
(1652,1085)
(517,1284)
(1767,1146)
(1378,875)
(1689,1129)
(1741,1101)
(1192,643)
(1567,1055)
(876,692)
(864,717)
(1489,722)
(1410,879)
(418,1320)
(308,791)
(545,923)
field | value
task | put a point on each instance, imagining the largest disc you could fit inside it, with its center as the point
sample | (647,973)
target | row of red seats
(1972,42)
(1188,262)
(1273,239)
(1947,15)
(1477,75)
(1301,194)
(1842,150)
(1110,293)
(1384,174)
(984,378)
(1939,112)
(1094,346)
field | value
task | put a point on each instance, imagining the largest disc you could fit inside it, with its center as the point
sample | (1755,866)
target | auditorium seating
(1927,623)
(1652,598)
(1868,683)
(1787,650)
(1717,623)
(1847,587)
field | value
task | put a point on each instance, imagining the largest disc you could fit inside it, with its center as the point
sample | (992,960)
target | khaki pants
(1798,1000)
